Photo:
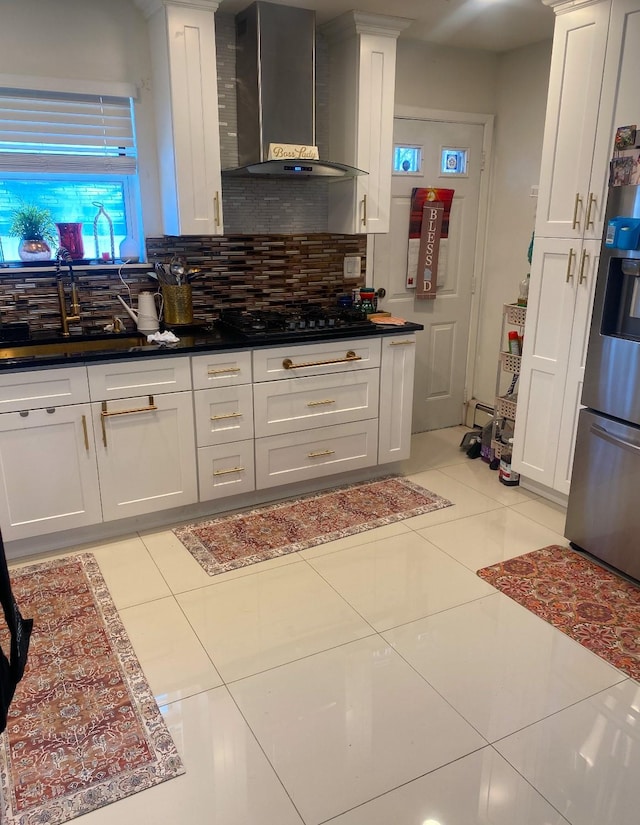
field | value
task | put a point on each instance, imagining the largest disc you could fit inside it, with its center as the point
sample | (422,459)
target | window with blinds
(69,153)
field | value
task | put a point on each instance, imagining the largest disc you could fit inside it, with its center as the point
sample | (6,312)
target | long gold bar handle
(582,277)
(569,273)
(226,415)
(85,433)
(576,222)
(216,209)
(321,403)
(320,453)
(288,364)
(401,343)
(592,200)
(104,414)
(364,210)
(226,472)
(223,371)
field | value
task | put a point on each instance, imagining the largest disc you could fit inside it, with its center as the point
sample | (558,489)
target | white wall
(523,79)
(88,40)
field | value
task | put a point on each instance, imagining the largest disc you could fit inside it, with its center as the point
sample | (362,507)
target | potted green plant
(37,232)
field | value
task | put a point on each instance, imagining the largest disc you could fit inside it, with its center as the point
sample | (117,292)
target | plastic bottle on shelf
(523,292)
(514,343)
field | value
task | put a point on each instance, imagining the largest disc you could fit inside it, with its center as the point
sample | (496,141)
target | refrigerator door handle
(612,439)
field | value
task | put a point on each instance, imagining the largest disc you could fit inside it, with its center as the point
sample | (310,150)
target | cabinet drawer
(283,459)
(43,388)
(306,403)
(315,359)
(221,369)
(126,379)
(223,414)
(226,470)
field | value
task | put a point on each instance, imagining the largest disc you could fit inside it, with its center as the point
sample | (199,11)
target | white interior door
(441,352)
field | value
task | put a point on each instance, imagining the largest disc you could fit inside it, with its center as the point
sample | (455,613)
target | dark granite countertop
(52,352)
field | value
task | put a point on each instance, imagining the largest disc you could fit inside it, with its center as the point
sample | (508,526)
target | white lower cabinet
(48,472)
(226,470)
(146,454)
(283,459)
(396,397)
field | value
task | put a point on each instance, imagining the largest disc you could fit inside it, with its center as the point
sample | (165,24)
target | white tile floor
(377,680)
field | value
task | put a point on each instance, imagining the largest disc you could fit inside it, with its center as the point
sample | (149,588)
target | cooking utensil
(177,268)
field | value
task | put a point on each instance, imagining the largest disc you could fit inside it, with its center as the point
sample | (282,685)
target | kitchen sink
(39,349)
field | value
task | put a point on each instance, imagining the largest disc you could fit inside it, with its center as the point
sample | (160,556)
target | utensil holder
(178,305)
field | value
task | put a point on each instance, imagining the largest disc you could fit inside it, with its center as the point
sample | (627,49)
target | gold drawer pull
(216,209)
(106,414)
(320,453)
(223,371)
(364,210)
(401,343)
(592,200)
(569,261)
(85,433)
(576,222)
(320,403)
(582,277)
(226,472)
(288,364)
(226,415)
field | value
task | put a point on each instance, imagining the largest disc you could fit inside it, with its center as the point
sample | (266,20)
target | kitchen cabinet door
(573,177)
(49,476)
(146,454)
(183,55)
(363,67)
(556,330)
(396,398)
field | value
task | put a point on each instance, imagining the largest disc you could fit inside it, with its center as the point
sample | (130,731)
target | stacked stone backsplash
(252,271)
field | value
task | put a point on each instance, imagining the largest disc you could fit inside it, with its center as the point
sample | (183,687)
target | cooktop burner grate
(293,320)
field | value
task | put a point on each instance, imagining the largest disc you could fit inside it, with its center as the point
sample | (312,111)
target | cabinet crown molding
(360,22)
(150,7)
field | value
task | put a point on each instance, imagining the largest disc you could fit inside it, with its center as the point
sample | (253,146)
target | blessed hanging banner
(432,219)
(419,199)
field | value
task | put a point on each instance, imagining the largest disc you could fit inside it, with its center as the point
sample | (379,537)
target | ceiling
(491,25)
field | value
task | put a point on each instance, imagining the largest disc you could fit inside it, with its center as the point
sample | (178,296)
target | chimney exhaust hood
(275,67)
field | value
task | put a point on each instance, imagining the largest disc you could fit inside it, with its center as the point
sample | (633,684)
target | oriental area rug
(84,729)
(238,540)
(597,608)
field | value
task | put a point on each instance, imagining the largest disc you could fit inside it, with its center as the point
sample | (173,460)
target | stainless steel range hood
(275,68)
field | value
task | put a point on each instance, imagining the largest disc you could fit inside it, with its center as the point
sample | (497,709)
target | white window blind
(58,132)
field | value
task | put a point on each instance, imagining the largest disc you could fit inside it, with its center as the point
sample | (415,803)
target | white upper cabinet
(573,175)
(183,53)
(362,87)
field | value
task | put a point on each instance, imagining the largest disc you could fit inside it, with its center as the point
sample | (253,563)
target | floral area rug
(592,605)
(84,729)
(229,542)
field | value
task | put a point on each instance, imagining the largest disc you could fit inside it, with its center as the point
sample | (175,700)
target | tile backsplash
(235,271)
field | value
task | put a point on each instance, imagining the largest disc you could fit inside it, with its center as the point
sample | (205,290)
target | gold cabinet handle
(582,277)
(569,273)
(592,201)
(216,208)
(226,415)
(288,364)
(401,343)
(85,433)
(223,371)
(104,414)
(321,403)
(320,453)
(364,210)
(578,202)
(226,472)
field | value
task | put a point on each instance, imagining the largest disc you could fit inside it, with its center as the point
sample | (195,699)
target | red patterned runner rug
(84,729)
(229,542)
(592,605)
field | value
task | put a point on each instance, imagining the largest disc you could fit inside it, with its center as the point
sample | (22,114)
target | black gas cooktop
(301,320)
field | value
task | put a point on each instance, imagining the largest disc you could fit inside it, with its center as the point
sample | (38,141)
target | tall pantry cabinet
(592,85)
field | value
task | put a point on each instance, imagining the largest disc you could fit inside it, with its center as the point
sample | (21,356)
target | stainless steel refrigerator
(603,515)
